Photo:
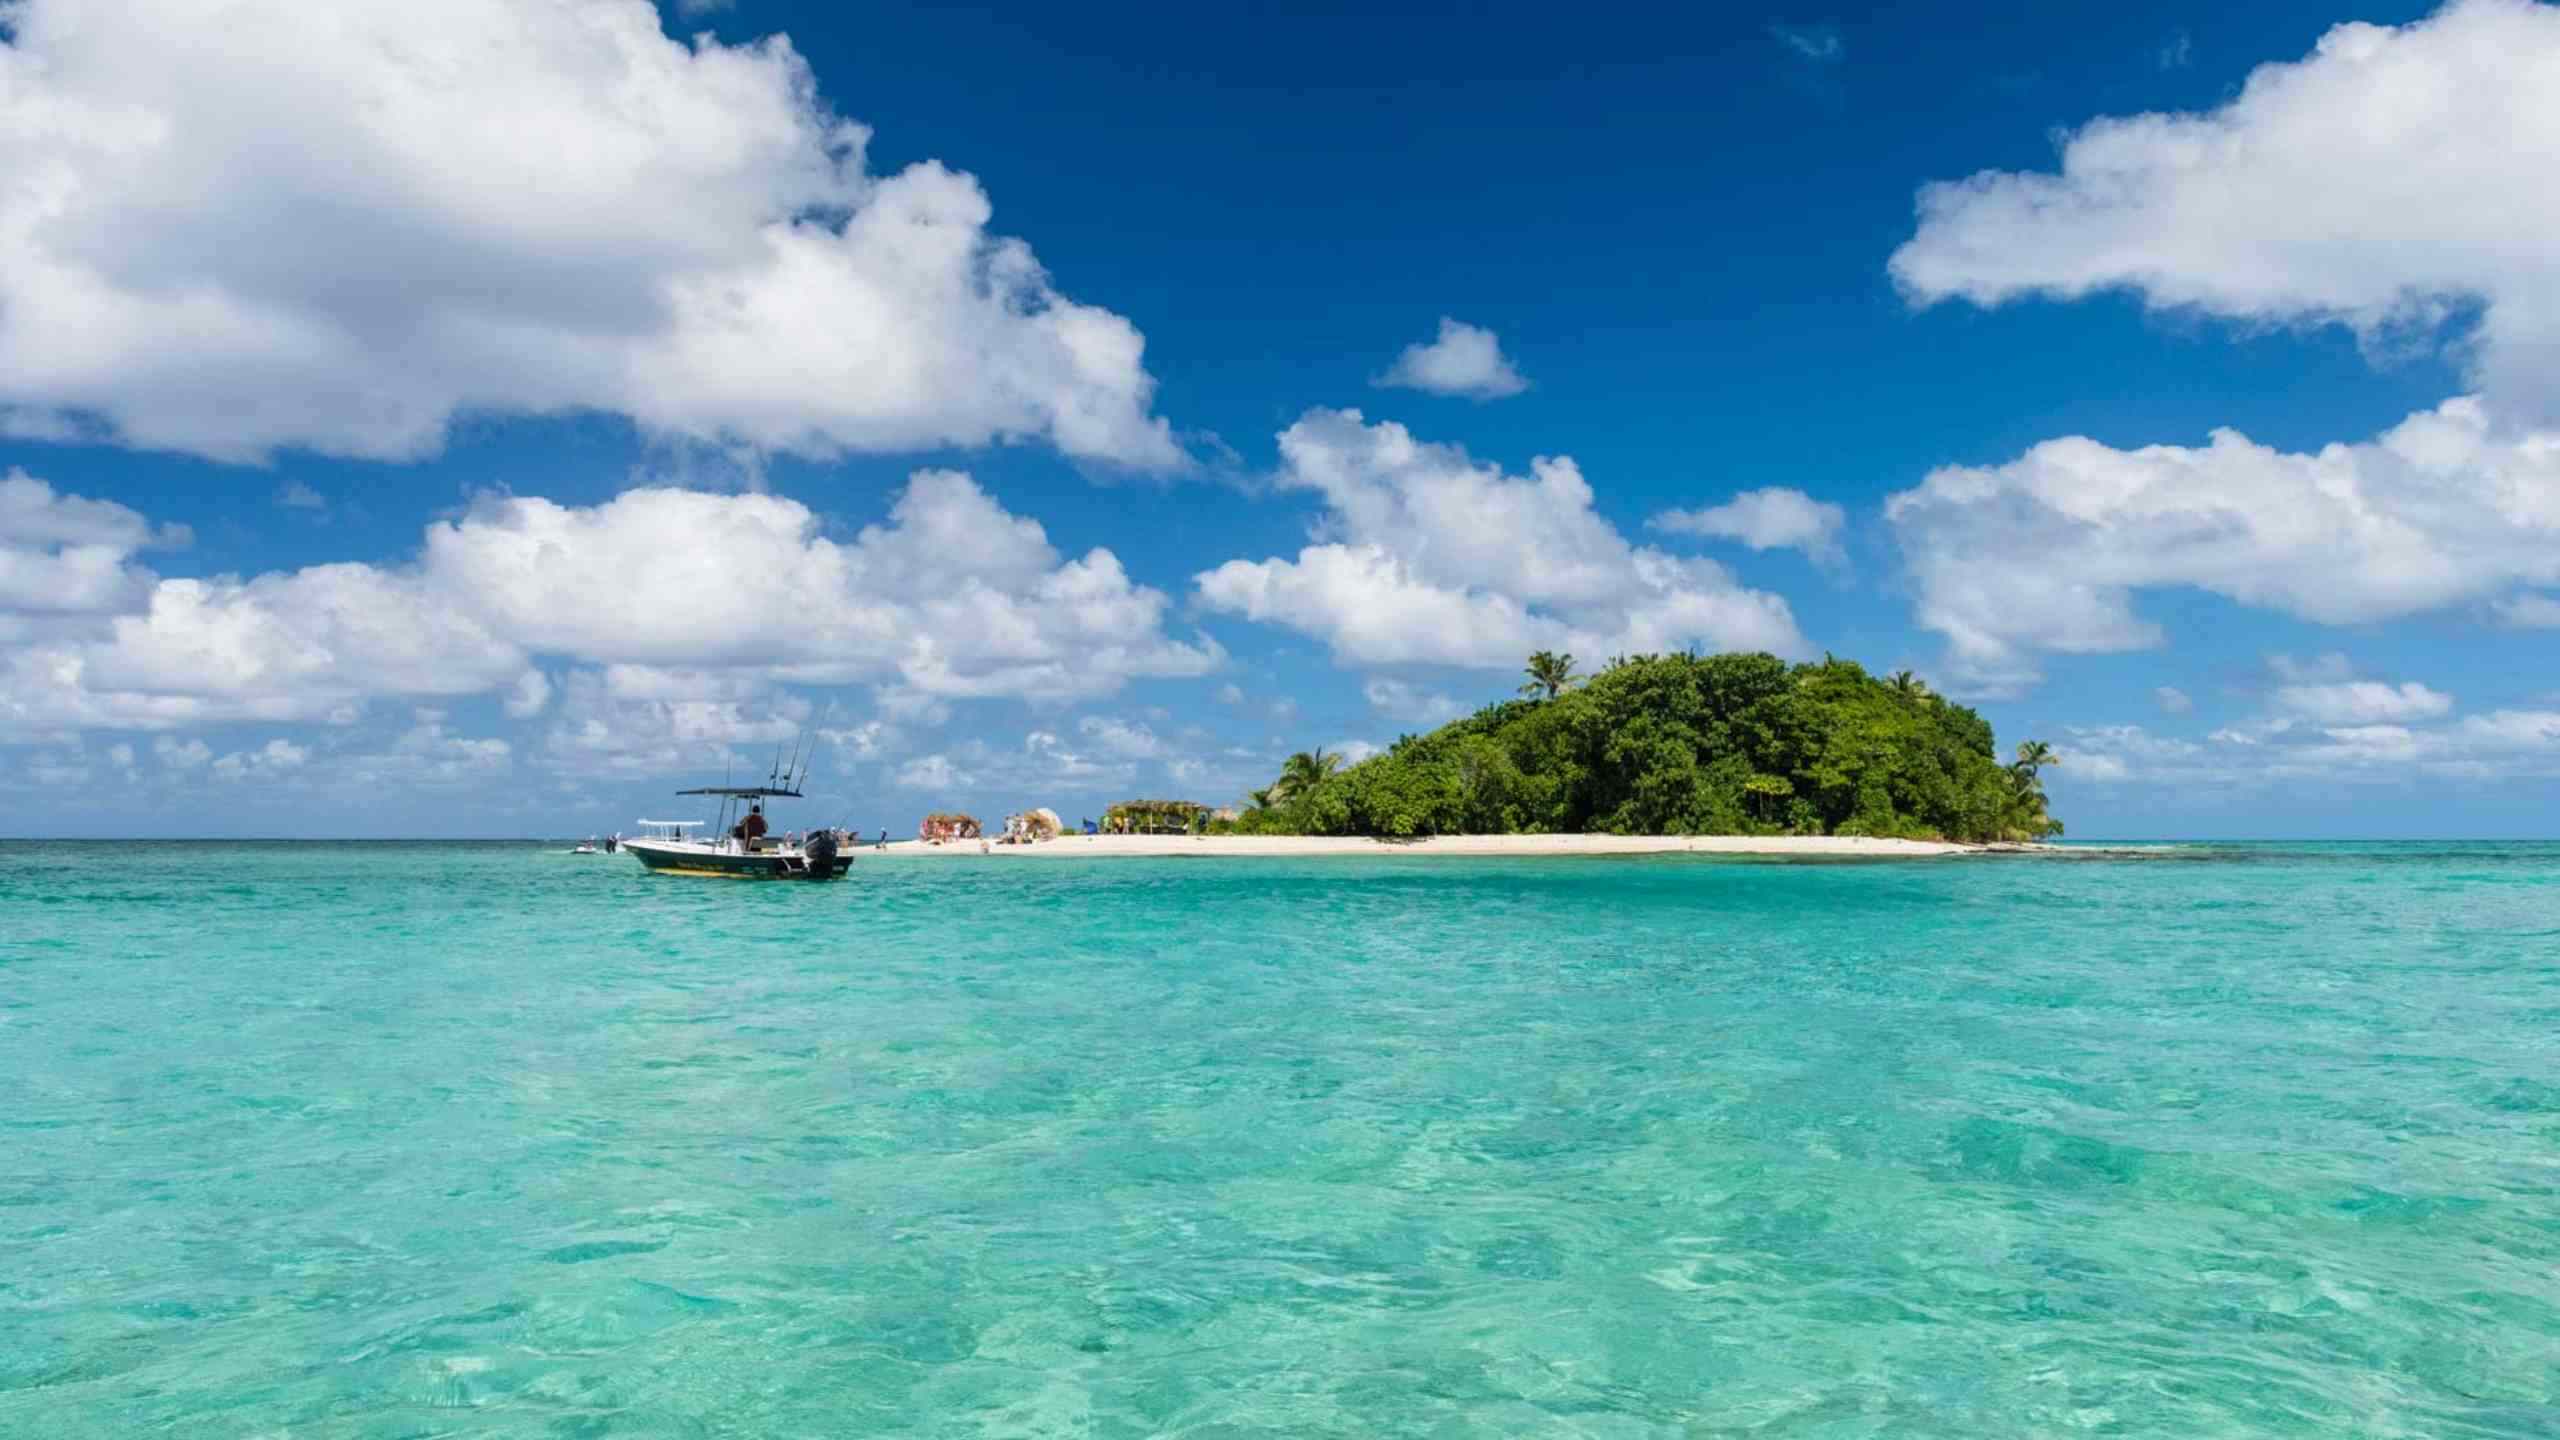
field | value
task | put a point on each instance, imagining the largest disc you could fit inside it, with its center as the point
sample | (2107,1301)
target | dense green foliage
(1681,744)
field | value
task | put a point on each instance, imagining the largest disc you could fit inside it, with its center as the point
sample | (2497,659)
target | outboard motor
(820,852)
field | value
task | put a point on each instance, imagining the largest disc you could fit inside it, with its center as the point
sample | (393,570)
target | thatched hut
(1154,817)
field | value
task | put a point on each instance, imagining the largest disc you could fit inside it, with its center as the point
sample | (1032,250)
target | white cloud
(1126,739)
(2497,744)
(2241,212)
(1410,704)
(2529,611)
(636,721)
(1424,556)
(2178,52)
(1466,361)
(682,595)
(2048,551)
(230,229)
(295,495)
(1354,751)
(1230,694)
(175,754)
(1819,43)
(2173,700)
(2325,691)
(1044,765)
(2323,723)
(120,755)
(1775,518)
(2361,702)
(427,753)
(529,696)
(867,741)
(277,758)
(931,772)
(2389,179)
(63,557)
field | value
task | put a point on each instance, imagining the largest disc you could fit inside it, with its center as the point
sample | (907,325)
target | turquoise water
(441,1140)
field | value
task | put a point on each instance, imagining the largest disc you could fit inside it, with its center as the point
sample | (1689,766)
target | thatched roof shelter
(948,825)
(1153,817)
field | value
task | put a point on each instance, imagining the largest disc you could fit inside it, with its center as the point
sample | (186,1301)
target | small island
(1742,745)
(1740,754)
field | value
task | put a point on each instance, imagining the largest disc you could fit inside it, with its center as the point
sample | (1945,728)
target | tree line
(1740,744)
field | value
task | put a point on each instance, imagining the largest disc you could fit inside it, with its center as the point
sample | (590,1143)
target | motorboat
(739,846)
(584,847)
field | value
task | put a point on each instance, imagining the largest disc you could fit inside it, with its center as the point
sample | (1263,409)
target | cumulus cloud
(2049,551)
(2322,721)
(2529,611)
(529,695)
(2172,700)
(1044,761)
(632,721)
(228,229)
(1127,739)
(1774,518)
(181,755)
(1424,556)
(427,754)
(63,557)
(951,596)
(2325,691)
(2496,744)
(1465,360)
(277,758)
(2240,212)
(1410,704)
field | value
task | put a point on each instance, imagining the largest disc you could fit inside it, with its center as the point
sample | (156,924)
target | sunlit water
(377,1141)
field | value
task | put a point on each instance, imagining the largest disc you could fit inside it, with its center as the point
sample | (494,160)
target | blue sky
(485,423)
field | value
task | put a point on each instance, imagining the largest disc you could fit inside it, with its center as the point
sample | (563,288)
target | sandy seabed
(1072,847)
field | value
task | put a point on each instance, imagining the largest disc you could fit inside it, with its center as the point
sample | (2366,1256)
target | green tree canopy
(1683,744)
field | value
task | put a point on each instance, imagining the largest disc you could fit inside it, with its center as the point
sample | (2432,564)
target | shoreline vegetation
(1727,746)
(1073,847)
(1738,754)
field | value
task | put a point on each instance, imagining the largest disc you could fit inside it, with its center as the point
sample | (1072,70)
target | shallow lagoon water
(427,1140)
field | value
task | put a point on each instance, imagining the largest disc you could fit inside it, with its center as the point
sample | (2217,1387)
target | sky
(485,419)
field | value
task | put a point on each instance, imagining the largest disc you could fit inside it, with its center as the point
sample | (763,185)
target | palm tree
(1908,685)
(1261,799)
(1550,672)
(1304,771)
(2034,755)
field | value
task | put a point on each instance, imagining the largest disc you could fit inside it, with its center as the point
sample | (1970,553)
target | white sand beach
(1073,847)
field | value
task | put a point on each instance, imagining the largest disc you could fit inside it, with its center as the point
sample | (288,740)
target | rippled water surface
(391,1140)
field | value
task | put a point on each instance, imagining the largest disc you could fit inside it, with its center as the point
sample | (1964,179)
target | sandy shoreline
(1074,847)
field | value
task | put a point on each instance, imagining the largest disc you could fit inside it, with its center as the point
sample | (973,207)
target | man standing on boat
(753,825)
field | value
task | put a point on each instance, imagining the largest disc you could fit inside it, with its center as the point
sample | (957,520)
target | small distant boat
(584,847)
